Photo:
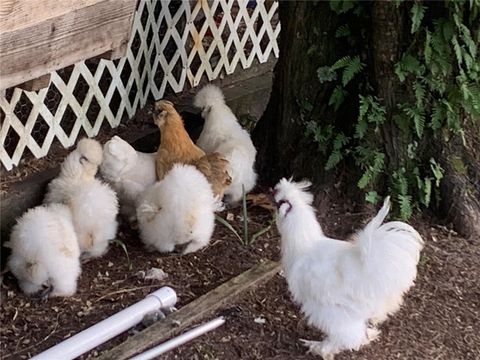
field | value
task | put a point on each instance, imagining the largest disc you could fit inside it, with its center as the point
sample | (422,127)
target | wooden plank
(51,43)
(193,312)
(25,13)
(36,84)
(116,53)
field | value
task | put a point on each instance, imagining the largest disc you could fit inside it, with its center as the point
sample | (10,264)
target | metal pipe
(180,340)
(97,334)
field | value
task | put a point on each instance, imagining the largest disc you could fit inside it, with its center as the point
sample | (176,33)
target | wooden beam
(116,53)
(193,312)
(36,84)
(41,36)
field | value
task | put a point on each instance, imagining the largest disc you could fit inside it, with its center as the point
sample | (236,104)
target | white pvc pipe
(180,340)
(97,334)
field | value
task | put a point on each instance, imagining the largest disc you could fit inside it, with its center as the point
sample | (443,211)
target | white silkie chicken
(223,134)
(93,204)
(178,210)
(344,288)
(45,251)
(128,171)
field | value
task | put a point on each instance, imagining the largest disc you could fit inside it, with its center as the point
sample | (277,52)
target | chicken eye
(83,158)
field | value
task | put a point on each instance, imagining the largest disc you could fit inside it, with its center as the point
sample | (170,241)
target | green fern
(336,156)
(417,115)
(342,31)
(341,6)
(427,49)
(420,92)
(371,197)
(337,98)
(405,203)
(418,12)
(341,63)
(438,116)
(353,67)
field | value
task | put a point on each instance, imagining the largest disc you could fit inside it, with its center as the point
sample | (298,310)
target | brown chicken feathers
(177,147)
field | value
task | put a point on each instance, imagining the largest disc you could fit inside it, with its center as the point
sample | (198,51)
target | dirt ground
(438,321)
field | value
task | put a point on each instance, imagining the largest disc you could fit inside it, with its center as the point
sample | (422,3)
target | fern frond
(417,115)
(337,97)
(334,158)
(417,11)
(364,105)
(361,128)
(458,50)
(342,31)
(419,90)
(352,68)
(405,203)
(438,116)
(341,63)
(427,49)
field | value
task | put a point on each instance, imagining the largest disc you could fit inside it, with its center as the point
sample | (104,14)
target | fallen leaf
(261,200)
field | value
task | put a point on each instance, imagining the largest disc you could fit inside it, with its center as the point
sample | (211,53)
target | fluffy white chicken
(344,288)
(93,204)
(178,210)
(128,171)
(223,134)
(45,251)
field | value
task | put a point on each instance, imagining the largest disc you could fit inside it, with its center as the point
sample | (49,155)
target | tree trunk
(460,187)
(279,134)
(283,148)
(387,38)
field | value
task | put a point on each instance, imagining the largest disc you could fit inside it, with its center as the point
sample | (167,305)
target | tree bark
(387,38)
(279,134)
(460,187)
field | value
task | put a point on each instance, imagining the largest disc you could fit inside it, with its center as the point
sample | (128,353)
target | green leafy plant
(440,71)
(122,245)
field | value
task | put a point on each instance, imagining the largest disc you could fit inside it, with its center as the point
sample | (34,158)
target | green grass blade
(124,247)
(245,216)
(228,226)
(264,230)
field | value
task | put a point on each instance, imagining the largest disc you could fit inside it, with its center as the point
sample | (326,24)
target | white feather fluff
(178,210)
(223,134)
(128,171)
(344,288)
(93,204)
(45,251)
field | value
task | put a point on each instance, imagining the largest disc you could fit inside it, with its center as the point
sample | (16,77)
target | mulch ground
(438,321)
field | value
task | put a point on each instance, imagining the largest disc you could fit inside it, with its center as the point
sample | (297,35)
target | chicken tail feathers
(365,237)
(208,96)
(392,242)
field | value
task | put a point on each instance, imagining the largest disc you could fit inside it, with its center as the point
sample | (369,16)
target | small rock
(152,274)
(260,320)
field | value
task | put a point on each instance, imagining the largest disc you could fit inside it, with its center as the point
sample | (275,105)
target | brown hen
(177,147)
(175,143)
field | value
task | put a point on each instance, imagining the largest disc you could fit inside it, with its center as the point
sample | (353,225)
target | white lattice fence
(173,43)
